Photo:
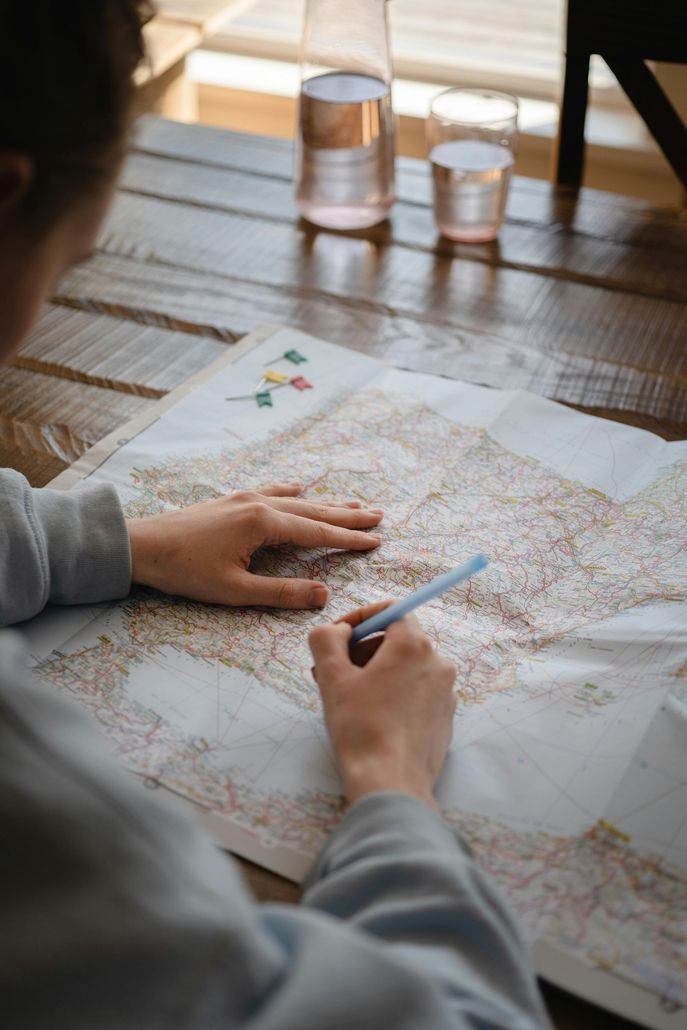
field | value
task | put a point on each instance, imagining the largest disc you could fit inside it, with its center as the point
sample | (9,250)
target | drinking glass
(471,141)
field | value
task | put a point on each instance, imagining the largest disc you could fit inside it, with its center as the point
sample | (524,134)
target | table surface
(582,300)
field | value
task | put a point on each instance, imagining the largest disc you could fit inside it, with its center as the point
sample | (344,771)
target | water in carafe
(346,175)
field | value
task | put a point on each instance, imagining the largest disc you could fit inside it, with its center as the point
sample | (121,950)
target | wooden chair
(626,34)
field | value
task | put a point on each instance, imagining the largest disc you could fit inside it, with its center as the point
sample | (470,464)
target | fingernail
(318,597)
(377,511)
(375,539)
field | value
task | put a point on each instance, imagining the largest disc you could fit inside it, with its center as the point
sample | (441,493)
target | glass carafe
(345,147)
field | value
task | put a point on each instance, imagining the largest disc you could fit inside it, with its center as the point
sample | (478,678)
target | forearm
(60,548)
(395,870)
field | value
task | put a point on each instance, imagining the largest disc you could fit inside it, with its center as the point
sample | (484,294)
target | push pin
(270,376)
(290,355)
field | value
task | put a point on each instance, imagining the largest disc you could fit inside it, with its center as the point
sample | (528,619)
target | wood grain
(566,324)
(50,416)
(113,352)
(559,242)
(596,211)
(228,308)
(623,221)
(38,467)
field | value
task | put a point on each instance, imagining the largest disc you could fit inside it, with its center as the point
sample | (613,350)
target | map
(568,774)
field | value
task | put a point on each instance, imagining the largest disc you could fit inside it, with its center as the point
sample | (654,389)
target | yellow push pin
(271,376)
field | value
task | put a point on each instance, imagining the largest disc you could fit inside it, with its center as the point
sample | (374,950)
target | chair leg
(661,118)
(569,160)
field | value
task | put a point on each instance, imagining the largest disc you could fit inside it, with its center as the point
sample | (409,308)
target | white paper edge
(605,989)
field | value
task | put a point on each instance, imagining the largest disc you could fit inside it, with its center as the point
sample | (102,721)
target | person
(116,911)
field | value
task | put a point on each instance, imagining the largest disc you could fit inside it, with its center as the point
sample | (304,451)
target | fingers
(364,650)
(292,529)
(275,592)
(342,504)
(329,647)
(345,504)
(281,490)
(354,618)
(332,514)
(295,489)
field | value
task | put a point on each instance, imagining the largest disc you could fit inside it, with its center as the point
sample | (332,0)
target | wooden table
(583,301)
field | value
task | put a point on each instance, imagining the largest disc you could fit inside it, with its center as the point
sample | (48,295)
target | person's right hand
(390,722)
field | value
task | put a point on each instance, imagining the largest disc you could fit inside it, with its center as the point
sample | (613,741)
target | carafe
(345,146)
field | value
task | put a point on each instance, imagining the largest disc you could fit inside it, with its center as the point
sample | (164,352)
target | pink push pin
(301,383)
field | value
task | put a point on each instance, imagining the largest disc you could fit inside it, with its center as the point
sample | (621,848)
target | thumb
(274,592)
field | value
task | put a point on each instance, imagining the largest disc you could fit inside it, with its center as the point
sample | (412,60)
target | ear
(16,176)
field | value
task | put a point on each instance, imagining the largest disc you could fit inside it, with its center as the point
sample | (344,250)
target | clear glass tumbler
(345,146)
(471,140)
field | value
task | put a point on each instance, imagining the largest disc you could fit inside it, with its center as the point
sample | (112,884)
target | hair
(66,95)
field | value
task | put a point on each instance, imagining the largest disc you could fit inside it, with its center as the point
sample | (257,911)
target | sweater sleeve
(118,912)
(59,548)
(395,870)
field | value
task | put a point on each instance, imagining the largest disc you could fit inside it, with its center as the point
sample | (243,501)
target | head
(66,99)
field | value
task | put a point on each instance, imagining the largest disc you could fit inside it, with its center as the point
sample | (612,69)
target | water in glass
(345,170)
(470,179)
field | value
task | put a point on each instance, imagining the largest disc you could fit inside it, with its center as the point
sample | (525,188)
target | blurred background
(238,69)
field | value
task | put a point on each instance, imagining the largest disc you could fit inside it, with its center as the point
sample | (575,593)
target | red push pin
(301,383)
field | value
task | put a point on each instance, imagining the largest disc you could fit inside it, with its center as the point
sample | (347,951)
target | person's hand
(204,551)
(390,722)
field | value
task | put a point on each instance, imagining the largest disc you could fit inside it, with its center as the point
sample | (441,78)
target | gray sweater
(116,912)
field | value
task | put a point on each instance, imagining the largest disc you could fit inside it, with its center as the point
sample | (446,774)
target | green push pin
(295,356)
(264,399)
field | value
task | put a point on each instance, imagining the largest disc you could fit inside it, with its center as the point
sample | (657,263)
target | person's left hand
(204,551)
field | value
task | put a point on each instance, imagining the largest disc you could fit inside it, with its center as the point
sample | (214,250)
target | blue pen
(428,592)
